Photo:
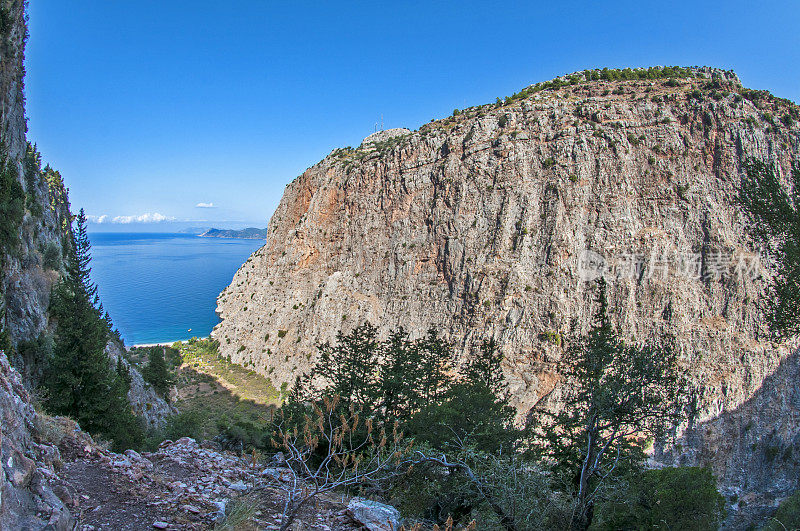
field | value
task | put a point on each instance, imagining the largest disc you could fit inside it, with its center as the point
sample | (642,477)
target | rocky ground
(183,485)
(55,476)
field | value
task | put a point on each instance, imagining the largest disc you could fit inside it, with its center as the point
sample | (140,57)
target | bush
(787,516)
(670,498)
(12,206)
(237,433)
(519,488)
(184,424)
(51,256)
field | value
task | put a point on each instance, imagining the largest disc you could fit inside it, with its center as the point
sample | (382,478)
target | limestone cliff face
(25,279)
(478,225)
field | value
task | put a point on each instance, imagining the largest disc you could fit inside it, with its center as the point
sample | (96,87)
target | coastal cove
(162,287)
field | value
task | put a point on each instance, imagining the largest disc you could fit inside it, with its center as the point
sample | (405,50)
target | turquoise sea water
(159,286)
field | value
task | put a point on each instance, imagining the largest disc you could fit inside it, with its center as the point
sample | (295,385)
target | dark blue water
(158,286)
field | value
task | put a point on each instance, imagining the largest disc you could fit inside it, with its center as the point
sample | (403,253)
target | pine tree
(473,411)
(399,368)
(349,367)
(80,379)
(484,369)
(615,396)
(413,374)
(157,373)
(435,361)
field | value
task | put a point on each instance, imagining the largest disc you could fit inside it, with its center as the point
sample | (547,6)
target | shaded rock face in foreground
(27,498)
(477,225)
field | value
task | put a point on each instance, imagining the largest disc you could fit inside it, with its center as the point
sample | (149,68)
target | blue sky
(152,108)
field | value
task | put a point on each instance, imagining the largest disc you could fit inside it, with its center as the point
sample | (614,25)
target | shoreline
(163,344)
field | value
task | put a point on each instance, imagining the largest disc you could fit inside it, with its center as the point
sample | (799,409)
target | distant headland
(250,233)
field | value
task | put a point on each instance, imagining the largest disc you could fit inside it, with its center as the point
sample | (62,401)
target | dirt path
(182,486)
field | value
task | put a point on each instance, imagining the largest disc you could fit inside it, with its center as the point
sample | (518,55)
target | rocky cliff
(34,223)
(491,223)
(35,206)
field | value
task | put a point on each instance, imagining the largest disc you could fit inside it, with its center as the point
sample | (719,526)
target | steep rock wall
(26,281)
(478,225)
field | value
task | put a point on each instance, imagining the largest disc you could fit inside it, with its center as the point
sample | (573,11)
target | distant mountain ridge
(250,233)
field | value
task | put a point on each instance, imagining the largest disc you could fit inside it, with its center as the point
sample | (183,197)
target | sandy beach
(164,344)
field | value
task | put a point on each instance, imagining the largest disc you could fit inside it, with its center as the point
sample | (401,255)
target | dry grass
(239,515)
(52,430)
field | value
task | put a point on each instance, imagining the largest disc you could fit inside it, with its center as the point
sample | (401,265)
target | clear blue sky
(155,107)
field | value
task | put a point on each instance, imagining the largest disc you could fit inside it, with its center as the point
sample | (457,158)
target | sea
(163,287)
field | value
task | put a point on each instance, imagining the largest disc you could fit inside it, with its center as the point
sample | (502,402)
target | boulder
(373,515)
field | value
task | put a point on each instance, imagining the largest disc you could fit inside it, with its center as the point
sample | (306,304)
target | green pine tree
(80,380)
(400,366)
(413,374)
(435,362)
(615,396)
(485,370)
(157,373)
(349,367)
(473,411)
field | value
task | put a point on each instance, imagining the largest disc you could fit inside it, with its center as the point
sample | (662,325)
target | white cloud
(205,205)
(149,217)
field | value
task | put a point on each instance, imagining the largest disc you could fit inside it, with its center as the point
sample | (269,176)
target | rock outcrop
(145,402)
(27,497)
(374,516)
(492,223)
